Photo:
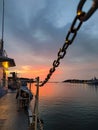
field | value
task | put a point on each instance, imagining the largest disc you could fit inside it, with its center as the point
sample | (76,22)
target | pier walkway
(10,117)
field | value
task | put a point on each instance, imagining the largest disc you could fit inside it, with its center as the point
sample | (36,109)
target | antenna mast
(2,24)
(3,21)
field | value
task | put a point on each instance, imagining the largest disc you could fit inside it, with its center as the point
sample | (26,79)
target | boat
(93,81)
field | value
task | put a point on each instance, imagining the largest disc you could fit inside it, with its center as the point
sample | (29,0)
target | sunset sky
(36,29)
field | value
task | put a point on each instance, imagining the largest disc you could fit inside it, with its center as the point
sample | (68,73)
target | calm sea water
(65,106)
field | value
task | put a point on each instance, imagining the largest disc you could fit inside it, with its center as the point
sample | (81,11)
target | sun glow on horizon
(28,71)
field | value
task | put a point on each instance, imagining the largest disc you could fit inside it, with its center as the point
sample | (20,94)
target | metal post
(36,104)
(30,84)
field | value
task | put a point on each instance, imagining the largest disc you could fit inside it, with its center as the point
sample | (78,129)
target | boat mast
(3,21)
(2,24)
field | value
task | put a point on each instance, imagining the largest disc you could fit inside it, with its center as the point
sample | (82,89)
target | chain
(76,24)
(90,11)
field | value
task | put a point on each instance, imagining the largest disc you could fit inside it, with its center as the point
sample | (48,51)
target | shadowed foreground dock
(10,118)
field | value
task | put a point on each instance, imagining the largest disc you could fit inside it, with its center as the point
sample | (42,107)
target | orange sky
(33,72)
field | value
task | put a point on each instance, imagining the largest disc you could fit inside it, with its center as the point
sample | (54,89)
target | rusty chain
(76,24)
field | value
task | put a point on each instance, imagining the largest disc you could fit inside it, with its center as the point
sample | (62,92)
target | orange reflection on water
(52,90)
(47,90)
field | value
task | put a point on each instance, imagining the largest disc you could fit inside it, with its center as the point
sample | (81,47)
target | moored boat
(93,81)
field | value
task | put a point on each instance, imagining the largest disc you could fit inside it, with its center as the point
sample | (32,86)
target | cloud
(34,32)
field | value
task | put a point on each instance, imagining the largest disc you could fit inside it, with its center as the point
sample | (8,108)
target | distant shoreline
(75,81)
(91,81)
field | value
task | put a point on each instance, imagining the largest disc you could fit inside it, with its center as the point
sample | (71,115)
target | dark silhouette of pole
(1,41)
(3,21)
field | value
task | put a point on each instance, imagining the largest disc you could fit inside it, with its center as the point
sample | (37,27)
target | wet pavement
(10,117)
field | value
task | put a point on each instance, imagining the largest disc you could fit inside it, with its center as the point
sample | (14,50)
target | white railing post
(36,104)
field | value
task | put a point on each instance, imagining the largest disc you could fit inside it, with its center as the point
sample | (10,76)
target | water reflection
(94,87)
(65,106)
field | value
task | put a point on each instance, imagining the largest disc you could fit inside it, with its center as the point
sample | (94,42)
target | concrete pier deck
(10,117)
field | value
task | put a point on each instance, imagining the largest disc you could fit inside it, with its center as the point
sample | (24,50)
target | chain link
(76,24)
(90,11)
